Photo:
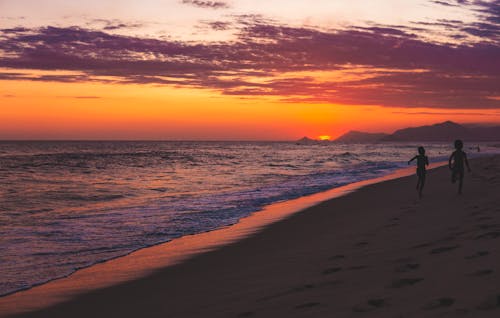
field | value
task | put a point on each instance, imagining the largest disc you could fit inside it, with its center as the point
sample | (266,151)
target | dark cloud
(119,26)
(207,4)
(15,30)
(219,25)
(444,3)
(114,24)
(387,30)
(490,10)
(398,67)
(488,13)
(44,78)
(447,113)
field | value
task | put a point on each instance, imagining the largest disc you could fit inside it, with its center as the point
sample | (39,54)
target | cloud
(444,3)
(114,24)
(119,26)
(377,65)
(218,25)
(488,14)
(489,114)
(207,4)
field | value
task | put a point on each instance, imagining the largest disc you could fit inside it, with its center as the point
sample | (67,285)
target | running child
(422,161)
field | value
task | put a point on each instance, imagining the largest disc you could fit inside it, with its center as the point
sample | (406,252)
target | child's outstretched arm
(449,161)
(426,160)
(412,159)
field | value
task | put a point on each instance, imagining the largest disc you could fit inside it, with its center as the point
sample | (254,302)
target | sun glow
(324,137)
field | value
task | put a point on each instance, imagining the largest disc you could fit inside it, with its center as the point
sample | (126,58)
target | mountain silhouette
(354,136)
(446,131)
(438,132)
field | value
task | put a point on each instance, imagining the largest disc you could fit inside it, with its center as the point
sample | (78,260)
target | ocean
(69,205)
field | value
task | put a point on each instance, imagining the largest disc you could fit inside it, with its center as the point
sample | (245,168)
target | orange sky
(244,70)
(46,110)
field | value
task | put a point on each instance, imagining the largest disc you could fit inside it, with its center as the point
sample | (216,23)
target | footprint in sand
(410,210)
(444,249)
(488,226)
(300,289)
(407,267)
(391,225)
(422,245)
(370,305)
(359,244)
(477,254)
(404,282)
(332,270)
(290,291)
(458,233)
(404,260)
(484,218)
(475,213)
(307,305)
(359,267)
(447,238)
(394,222)
(492,302)
(481,272)
(488,235)
(439,303)
(337,257)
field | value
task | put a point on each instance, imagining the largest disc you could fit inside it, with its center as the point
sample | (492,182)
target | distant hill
(445,131)
(306,141)
(439,132)
(360,137)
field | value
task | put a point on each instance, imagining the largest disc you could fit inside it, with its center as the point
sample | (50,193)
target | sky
(244,69)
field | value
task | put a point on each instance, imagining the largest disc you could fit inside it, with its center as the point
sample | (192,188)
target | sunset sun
(324,137)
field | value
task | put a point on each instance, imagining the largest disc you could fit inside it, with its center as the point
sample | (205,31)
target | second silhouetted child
(456,163)
(422,161)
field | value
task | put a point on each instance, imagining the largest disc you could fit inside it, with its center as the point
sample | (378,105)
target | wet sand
(377,252)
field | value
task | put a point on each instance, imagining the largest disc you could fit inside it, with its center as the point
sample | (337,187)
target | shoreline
(67,287)
(241,246)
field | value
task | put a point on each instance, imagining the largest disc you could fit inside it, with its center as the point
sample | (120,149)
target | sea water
(68,205)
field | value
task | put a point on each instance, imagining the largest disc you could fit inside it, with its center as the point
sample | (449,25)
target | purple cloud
(399,68)
(218,25)
(444,3)
(446,113)
(207,4)
(488,13)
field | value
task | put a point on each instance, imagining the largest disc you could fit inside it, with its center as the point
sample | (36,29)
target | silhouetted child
(422,161)
(456,163)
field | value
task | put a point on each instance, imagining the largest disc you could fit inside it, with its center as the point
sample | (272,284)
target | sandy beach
(378,252)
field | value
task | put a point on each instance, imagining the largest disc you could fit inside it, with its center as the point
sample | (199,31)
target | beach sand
(377,252)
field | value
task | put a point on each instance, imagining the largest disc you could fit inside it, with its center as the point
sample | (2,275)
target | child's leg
(453,176)
(421,187)
(460,181)
(422,182)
